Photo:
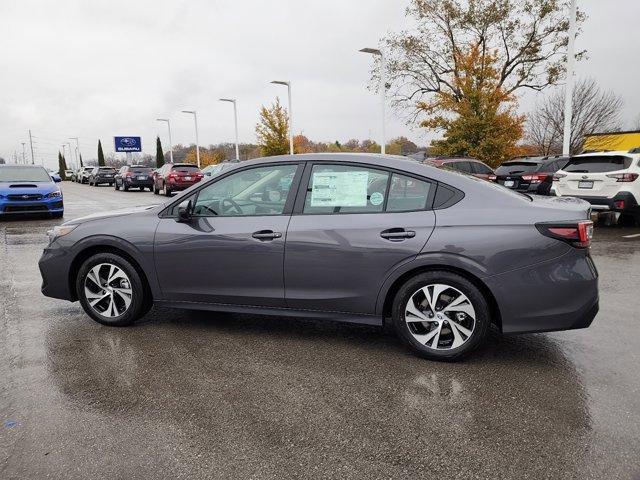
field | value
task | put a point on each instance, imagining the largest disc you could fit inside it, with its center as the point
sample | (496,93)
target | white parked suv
(607,180)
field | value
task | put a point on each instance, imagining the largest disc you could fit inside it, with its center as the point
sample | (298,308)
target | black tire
(140,301)
(475,296)
(57,215)
(167,191)
(125,187)
(154,189)
(115,185)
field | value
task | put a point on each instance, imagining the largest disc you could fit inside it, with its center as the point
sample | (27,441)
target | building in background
(612,141)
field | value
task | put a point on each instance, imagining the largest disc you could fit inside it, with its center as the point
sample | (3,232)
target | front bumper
(559,294)
(51,205)
(54,269)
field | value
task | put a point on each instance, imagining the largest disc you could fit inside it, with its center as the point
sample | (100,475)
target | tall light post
(170,144)
(64,146)
(195,119)
(235,121)
(78,154)
(383,87)
(568,94)
(24,158)
(288,84)
(68,144)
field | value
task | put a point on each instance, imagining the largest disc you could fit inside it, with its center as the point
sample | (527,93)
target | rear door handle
(397,234)
(266,235)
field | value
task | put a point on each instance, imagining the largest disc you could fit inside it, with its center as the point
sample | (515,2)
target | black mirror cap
(184,213)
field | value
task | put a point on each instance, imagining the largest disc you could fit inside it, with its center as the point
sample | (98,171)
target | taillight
(624,177)
(129,174)
(558,176)
(199,175)
(492,178)
(535,177)
(578,234)
(172,175)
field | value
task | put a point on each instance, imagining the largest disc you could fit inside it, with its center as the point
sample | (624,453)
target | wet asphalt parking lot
(207,395)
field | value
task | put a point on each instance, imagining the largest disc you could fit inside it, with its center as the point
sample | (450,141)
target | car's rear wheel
(115,185)
(154,189)
(111,291)
(167,190)
(125,187)
(441,315)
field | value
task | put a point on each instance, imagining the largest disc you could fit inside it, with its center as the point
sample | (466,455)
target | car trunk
(561,208)
(511,174)
(588,176)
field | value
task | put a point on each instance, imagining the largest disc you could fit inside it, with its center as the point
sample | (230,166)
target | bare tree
(594,111)
(527,37)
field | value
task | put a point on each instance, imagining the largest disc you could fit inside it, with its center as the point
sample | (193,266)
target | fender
(428,259)
(142,255)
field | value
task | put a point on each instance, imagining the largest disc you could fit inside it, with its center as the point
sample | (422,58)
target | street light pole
(170,143)
(235,121)
(195,119)
(78,154)
(31,146)
(24,159)
(568,94)
(288,84)
(383,87)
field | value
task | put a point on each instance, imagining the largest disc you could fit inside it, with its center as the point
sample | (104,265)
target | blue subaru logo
(128,142)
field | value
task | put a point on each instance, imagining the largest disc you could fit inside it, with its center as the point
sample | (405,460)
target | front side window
(345,189)
(257,191)
(407,194)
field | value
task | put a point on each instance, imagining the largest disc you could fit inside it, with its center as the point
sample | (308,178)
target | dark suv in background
(102,175)
(174,177)
(134,176)
(470,166)
(530,174)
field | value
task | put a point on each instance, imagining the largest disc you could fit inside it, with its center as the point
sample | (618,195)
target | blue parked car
(29,189)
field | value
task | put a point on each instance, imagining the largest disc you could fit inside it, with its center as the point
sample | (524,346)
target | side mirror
(184,212)
(57,179)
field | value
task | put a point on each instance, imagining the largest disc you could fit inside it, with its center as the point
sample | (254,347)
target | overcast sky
(95,69)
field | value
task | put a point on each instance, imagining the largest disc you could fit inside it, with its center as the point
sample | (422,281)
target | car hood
(21,188)
(112,213)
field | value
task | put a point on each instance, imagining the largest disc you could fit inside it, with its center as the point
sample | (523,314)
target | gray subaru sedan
(350,237)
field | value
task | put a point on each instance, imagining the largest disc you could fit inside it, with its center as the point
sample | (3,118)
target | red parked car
(174,177)
(465,165)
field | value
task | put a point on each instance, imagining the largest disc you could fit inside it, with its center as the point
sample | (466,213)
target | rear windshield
(24,174)
(596,164)
(107,169)
(141,169)
(511,168)
(185,168)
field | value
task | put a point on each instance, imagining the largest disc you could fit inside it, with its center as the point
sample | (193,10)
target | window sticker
(339,189)
(376,198)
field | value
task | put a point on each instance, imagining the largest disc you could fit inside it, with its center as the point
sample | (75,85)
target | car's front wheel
(441,315)
(111,291)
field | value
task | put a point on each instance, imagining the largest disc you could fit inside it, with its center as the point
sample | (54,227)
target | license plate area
(509,183)
(142,178)
(585,184)
(186,178)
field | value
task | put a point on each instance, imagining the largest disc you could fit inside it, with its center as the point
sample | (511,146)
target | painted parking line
(631,236)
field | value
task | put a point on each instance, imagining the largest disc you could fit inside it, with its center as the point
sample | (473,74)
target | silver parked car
(352,237)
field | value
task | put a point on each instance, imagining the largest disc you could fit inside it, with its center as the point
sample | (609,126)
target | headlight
(60,231)
(56,194)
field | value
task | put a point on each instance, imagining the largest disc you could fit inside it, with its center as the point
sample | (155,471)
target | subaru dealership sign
(128,144)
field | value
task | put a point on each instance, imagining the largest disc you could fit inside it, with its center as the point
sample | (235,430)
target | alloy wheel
(108,290)
(440,317)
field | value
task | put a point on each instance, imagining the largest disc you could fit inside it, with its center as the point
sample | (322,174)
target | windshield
(597,164)
(24,174)
(185,168)
(512,168)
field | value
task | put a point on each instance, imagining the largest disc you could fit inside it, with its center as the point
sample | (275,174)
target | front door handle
(266,235)
(395,234)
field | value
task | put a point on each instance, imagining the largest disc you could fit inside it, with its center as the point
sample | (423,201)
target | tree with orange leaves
(478,115)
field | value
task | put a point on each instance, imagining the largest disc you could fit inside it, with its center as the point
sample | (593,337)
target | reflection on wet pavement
(206,395)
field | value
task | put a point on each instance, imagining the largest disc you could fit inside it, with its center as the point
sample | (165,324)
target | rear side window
(513,168)
(407,194)
(597,164)
(480,168)
(345,189)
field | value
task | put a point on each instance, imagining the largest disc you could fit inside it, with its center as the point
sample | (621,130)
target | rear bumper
(180,185)
(104,180)
(133,182)
(559,294)
(612,204)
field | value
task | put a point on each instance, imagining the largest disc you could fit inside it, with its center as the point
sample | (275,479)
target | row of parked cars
(607,180)
(171,177)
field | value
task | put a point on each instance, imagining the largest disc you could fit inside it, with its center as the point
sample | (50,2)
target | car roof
(612,153)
